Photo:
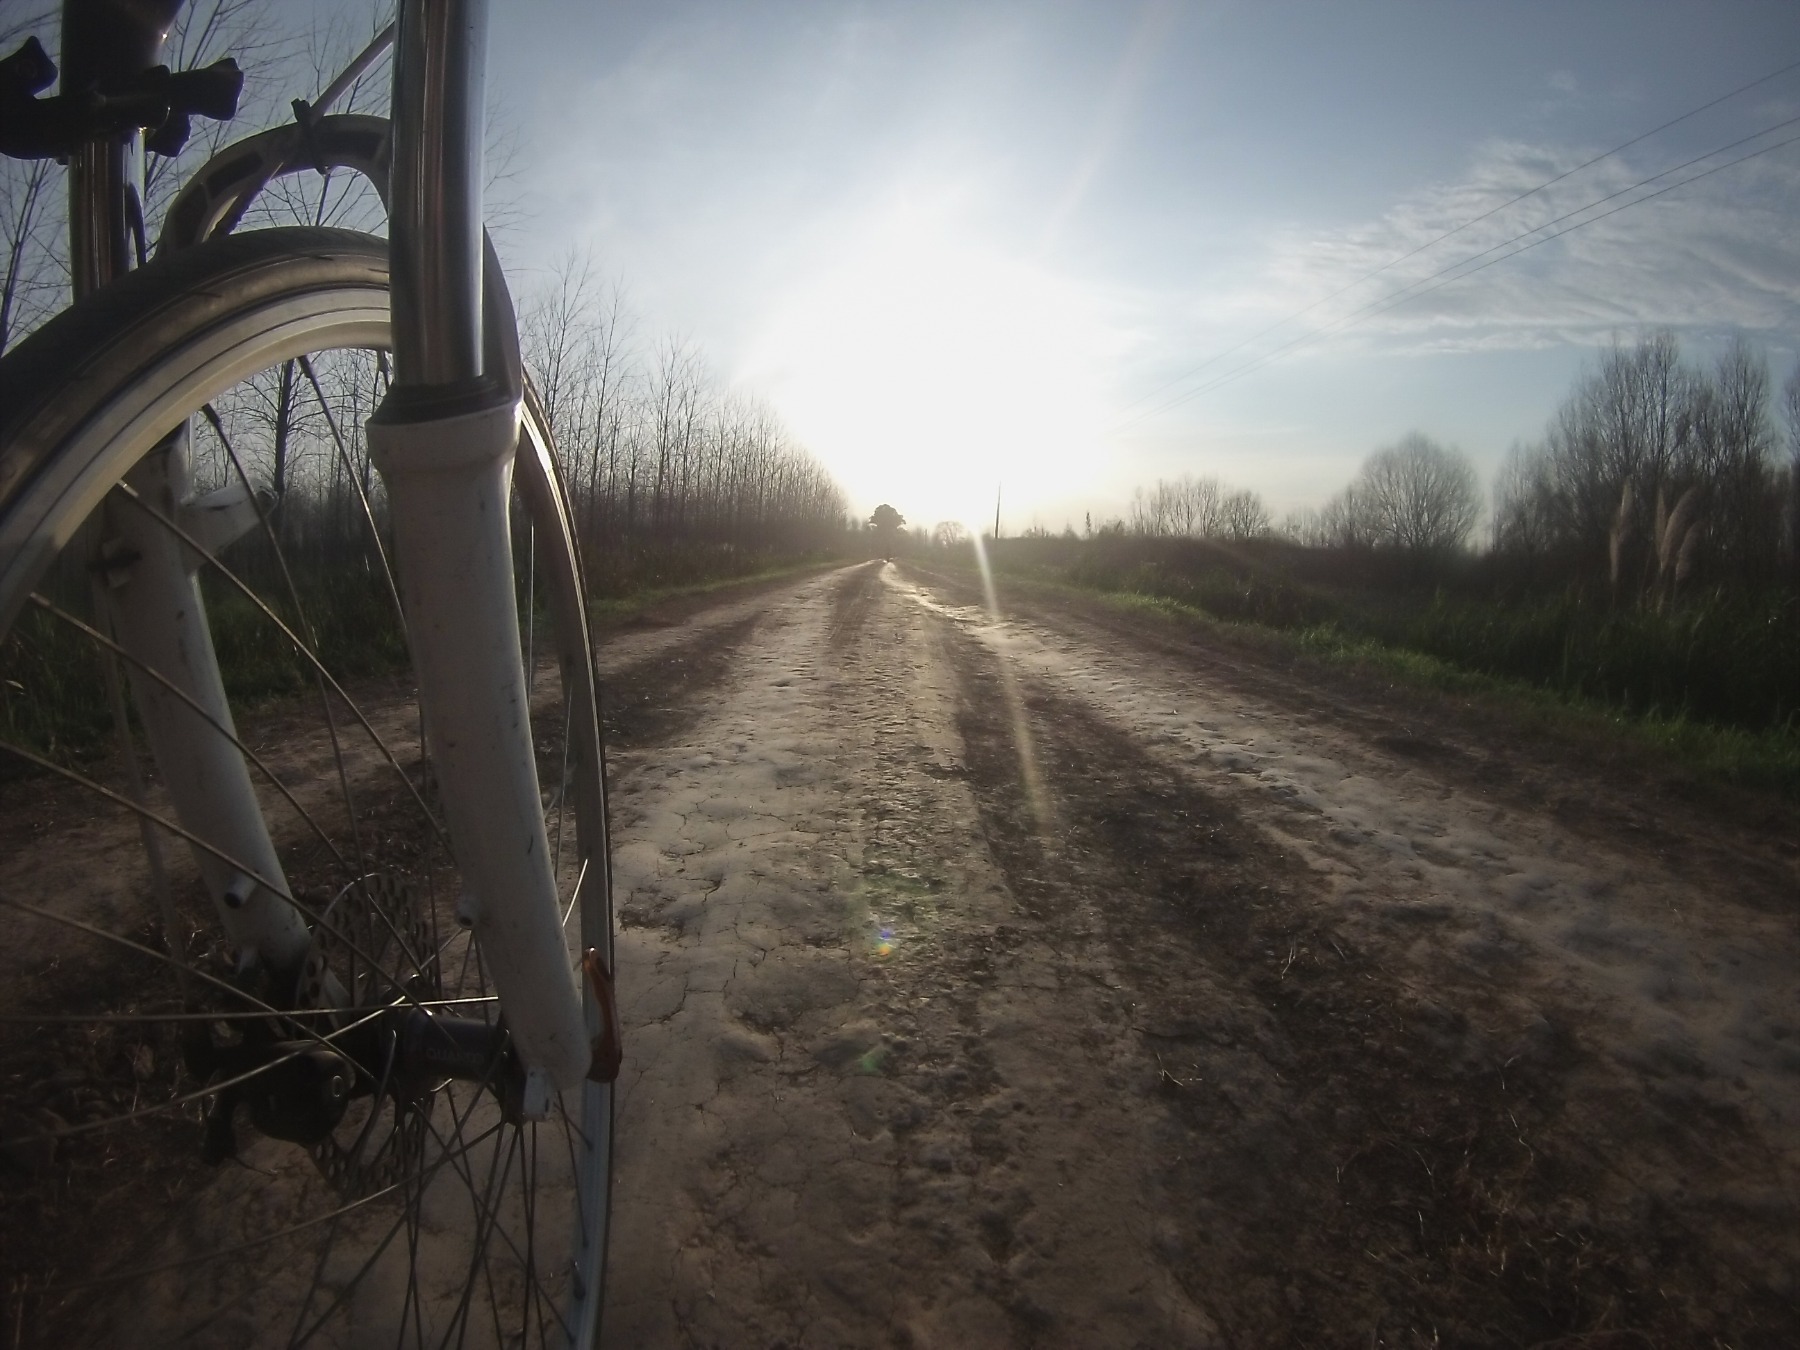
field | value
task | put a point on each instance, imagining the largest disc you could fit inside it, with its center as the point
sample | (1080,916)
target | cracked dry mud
(1025,983)
(1055,978)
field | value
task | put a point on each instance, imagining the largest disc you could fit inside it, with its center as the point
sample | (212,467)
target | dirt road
(1044,979)
(1020,972)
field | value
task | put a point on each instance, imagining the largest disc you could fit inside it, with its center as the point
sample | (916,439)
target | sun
(926,371)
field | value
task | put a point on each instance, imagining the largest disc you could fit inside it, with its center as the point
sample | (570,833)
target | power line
(1383,303)
(1409,293)
(1455,230)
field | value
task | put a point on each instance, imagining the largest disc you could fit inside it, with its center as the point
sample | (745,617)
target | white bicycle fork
(449,487)
(448,476)
(449,483)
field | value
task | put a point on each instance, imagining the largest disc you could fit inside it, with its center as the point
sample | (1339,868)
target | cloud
(1564,265)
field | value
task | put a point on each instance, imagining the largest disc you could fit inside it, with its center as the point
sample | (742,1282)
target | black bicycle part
(111,85)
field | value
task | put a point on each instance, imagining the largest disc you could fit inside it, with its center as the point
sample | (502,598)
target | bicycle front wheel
(206,1149)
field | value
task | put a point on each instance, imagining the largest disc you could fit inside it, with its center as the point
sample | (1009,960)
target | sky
(1057,250)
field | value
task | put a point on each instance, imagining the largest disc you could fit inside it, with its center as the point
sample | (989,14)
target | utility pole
(997,488)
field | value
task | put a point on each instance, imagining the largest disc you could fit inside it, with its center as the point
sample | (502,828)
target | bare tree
(1242,515)
(1731,455)
(1196,508)
(1790,497)
(1524,508)
(1640,434)
(1348,520)
(1424,497)
(36,278)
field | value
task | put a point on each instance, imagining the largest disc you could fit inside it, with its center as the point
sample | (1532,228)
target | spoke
(195,707)
(424,1177)
(356,1279)
(324,196)
(487,1222)
(562,788)
(210,1090)
(491,1214)
(134,780)
(127,493)
(575,894)
(361,1271)
(540,1295)
(249,1244)
(415,1201)
(94,930)
(306,911)
(569,1133)
(355,478)
(287,577)
(106,1019)
(569,1125)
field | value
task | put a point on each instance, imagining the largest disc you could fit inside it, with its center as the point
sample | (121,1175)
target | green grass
(53,696)
(625,606)
(1768,759)
(1713,688)
(631,573)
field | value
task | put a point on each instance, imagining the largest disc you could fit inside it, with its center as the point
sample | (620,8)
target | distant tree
(887,523)
(1524,506)
(1639,435)
(1303,526)
(1242,515)
(1197,508)
(950,534)
(1423,497)
(1730,451)
(1790,509)
(1347,521)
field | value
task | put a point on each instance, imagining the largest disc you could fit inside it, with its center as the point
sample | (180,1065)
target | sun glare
(925,371)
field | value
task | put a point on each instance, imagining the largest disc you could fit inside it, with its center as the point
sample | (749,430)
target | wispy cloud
(1720,253)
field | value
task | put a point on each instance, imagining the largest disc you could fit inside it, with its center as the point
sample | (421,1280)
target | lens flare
(1029,774)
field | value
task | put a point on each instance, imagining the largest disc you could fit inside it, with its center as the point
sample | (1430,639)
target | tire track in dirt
(1016,986)
(862,1105)
(1648,1188)
(1340,1155)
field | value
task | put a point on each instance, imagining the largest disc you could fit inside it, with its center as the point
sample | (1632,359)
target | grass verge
(53,697)
(1766,759)
(611,611)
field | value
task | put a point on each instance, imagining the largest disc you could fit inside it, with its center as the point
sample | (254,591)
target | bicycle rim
(429,1211)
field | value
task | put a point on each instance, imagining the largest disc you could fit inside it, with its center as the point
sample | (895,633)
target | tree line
(1655,477)
(673,476)
(659,455)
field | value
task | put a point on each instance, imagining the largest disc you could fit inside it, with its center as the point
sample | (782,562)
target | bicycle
(401,998)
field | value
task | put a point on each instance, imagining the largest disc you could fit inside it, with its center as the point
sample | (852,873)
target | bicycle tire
(81,401)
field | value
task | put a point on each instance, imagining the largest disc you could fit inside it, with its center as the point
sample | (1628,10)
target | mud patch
(653,700)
